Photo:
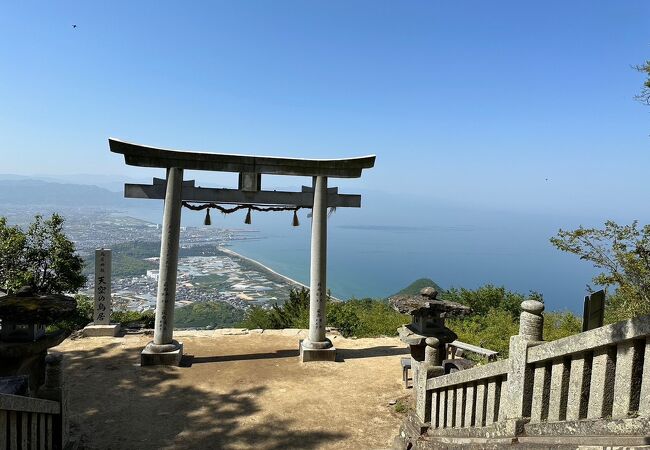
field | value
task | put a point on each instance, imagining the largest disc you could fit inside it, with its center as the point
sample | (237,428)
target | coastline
(262,266)
(267,269)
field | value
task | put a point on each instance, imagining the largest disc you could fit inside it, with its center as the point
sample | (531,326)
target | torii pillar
(164,349)
(316,347)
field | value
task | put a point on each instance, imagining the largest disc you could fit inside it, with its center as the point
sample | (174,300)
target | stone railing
(469,398)
(454,347)
(590,388)
(30,422)
(593,383)
(27,422)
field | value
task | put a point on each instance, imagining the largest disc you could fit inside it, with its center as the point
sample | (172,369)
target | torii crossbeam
(164,349)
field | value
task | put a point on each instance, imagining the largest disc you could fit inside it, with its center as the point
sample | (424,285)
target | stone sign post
(101,325)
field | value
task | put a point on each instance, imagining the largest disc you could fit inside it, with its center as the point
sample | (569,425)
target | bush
(559,324)
(356,317)
(495,317)
(491,330)
(207,314)
(81,317)
(486,298)
(144,319)
(365,318)
(292,314)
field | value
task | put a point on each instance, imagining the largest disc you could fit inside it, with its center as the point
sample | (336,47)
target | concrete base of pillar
(153,356)
(93,330)
(317,354)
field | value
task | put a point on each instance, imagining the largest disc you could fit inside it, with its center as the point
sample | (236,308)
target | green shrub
(487,297)
(366,318)
(559,324)
(81,317)
(144,319)
(207,314)
(491,331)
(356,317)
(292,314)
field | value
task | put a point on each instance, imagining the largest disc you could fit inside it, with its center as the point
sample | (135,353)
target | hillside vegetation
(495,317)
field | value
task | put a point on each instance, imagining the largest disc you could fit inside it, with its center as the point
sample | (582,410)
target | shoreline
(262,266)
(267,269)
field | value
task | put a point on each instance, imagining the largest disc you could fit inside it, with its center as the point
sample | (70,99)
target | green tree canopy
(623,253)
(487,298)
(42,257)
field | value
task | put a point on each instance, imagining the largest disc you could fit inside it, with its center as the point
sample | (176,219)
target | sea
(382,247)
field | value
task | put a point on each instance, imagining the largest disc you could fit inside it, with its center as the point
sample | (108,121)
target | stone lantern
(427,337)
(23,337)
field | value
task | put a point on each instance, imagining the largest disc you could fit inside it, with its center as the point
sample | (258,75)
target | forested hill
(417,285)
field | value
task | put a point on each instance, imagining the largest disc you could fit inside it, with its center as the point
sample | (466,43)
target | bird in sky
(74,26)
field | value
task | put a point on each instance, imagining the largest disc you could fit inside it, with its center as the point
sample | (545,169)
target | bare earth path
(241,392)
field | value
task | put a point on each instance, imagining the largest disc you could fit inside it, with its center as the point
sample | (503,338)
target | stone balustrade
(590,388)
(469,398)
(30,422)
(595,382)
(27,422)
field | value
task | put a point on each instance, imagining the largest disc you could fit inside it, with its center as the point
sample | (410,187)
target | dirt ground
(236,392)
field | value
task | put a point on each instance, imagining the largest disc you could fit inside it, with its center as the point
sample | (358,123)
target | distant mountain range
(32,192)
(110,182)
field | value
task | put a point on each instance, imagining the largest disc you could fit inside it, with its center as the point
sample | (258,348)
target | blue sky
(468,103)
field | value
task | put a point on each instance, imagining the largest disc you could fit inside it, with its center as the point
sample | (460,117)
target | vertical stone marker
(101,325)
(102,313)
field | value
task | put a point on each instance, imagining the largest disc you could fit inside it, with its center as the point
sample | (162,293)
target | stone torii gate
(164,349)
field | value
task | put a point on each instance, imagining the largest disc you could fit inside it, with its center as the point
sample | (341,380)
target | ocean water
(377,250)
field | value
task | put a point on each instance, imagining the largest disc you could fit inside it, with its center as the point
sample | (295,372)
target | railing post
(54,389)
(519,386)
(429,368)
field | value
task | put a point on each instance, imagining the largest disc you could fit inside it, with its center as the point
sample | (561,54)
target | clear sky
(517,105)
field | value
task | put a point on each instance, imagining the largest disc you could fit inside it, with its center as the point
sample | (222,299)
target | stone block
(317,354)
(170,358)
(93,330)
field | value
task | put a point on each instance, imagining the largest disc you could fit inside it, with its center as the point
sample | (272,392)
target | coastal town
(208,270)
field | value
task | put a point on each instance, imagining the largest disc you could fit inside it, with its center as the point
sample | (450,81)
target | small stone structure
(23,340)
(37,422)
(34,417)
(101,325)
(427,337)
(592,388)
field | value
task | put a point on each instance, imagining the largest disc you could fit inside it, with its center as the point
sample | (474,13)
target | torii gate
(164,349)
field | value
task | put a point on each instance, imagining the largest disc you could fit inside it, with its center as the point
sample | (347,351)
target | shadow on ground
(370,352)
(119,404)
(247,357)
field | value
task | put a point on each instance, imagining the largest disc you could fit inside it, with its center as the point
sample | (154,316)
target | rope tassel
(295,223)
(207,220)
(248,217)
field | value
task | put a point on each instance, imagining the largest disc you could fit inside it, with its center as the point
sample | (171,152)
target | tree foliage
(486,298)
(623,253)
(294,313)
(644,95)
(491,330)
(42,257)
(207,314)
(495,317)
